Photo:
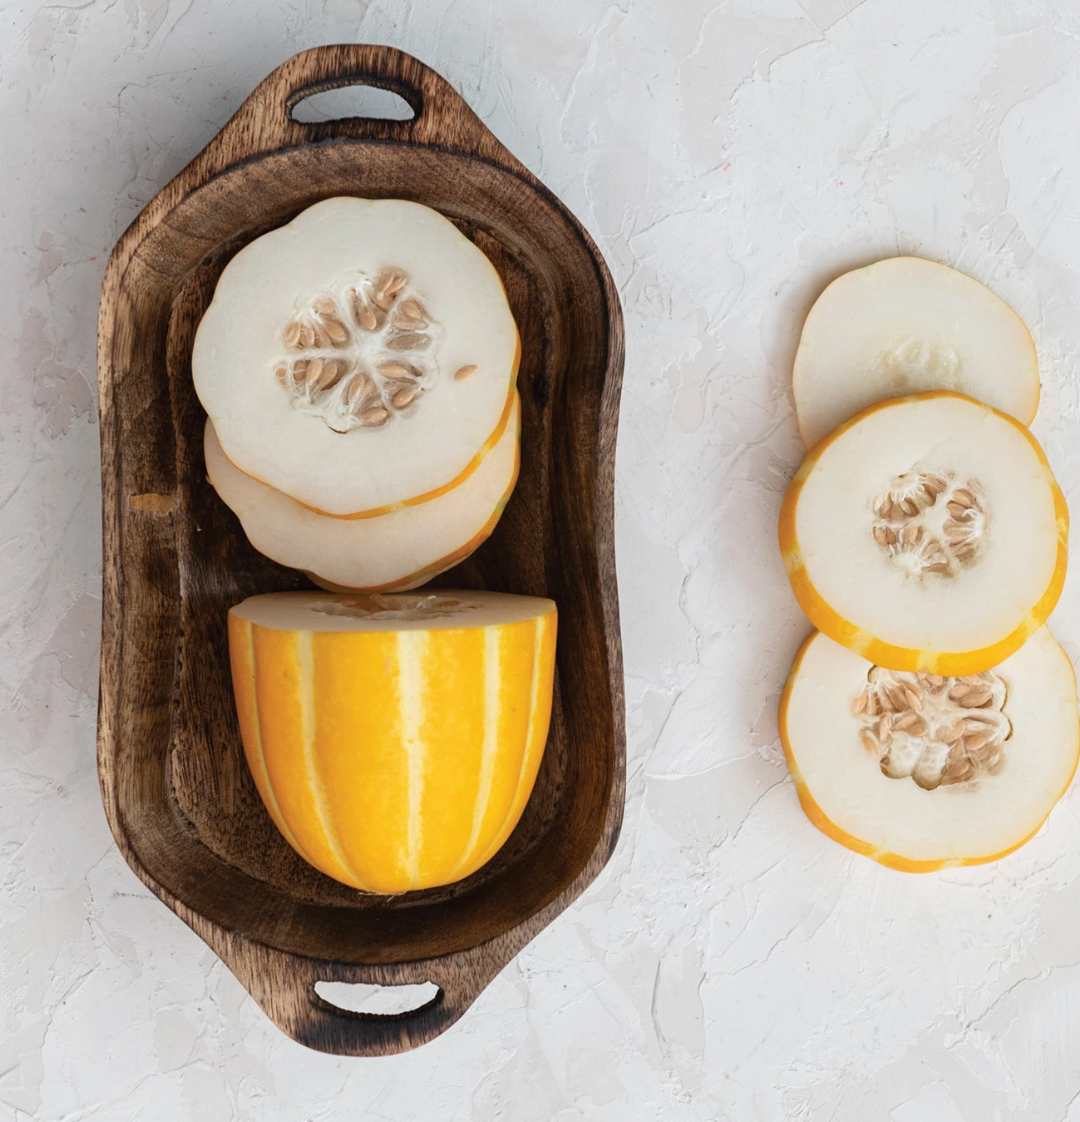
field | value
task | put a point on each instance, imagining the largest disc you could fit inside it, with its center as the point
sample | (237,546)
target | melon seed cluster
(362,355)
(934,730)
(928,522)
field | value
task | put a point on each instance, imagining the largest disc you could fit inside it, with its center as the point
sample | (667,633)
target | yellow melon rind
(282,662)
(843,631)
(242,660)
(540,721)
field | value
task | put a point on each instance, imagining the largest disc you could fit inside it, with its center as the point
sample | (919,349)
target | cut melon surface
(360,358)
(397,550)
(394,738)
(906,325)
(922,772)
(927,533)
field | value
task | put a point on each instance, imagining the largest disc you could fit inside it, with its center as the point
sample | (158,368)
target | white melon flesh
(398,550)
(923,772)
(362,357)
(927,533)
(902,326)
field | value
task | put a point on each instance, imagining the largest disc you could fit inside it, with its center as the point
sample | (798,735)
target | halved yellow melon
(360,358)
(906,325)
(922,772)
(398,550)
(394,738)
(927,533)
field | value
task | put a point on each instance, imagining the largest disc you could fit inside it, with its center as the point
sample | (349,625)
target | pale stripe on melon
(907,325)
(961,596)
(394,739)
(397,550)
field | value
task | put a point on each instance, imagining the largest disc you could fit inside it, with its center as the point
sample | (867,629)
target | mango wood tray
(181,804)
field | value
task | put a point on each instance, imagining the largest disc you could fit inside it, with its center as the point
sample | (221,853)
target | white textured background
(731,963)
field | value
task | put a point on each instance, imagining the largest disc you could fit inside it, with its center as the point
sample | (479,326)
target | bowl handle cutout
(329,1027)
(371,103)
(350,1009)
(376,1000)
(435,114)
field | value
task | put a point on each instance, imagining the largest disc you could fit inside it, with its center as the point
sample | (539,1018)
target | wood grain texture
(181,803)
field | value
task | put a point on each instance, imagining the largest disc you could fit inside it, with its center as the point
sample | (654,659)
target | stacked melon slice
(358,367)
(932,718)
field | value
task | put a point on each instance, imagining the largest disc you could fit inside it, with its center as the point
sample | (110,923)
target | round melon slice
(926,533)
(394,738)
(400,549)
(905,325)
(361,358)
(920,771)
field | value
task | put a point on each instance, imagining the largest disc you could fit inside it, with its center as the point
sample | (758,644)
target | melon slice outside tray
(394,738)
(922,772)
(905,325)
(927,533)
(398,550)
(361,358)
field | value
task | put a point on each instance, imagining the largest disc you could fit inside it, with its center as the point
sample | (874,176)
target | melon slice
(902,326)
(927,533)
(394,738)
(922,772)
(401,549)
(360,358)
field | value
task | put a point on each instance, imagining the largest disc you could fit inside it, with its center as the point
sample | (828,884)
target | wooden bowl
(177,792)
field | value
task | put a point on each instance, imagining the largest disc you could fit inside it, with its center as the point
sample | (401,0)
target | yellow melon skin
(395,760)
(947,663)
(883,856)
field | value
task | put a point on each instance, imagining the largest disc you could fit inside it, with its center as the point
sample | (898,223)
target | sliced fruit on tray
(397,550)
(362,357)
(394,738)
(921,771)
(905,325)
(927,533)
